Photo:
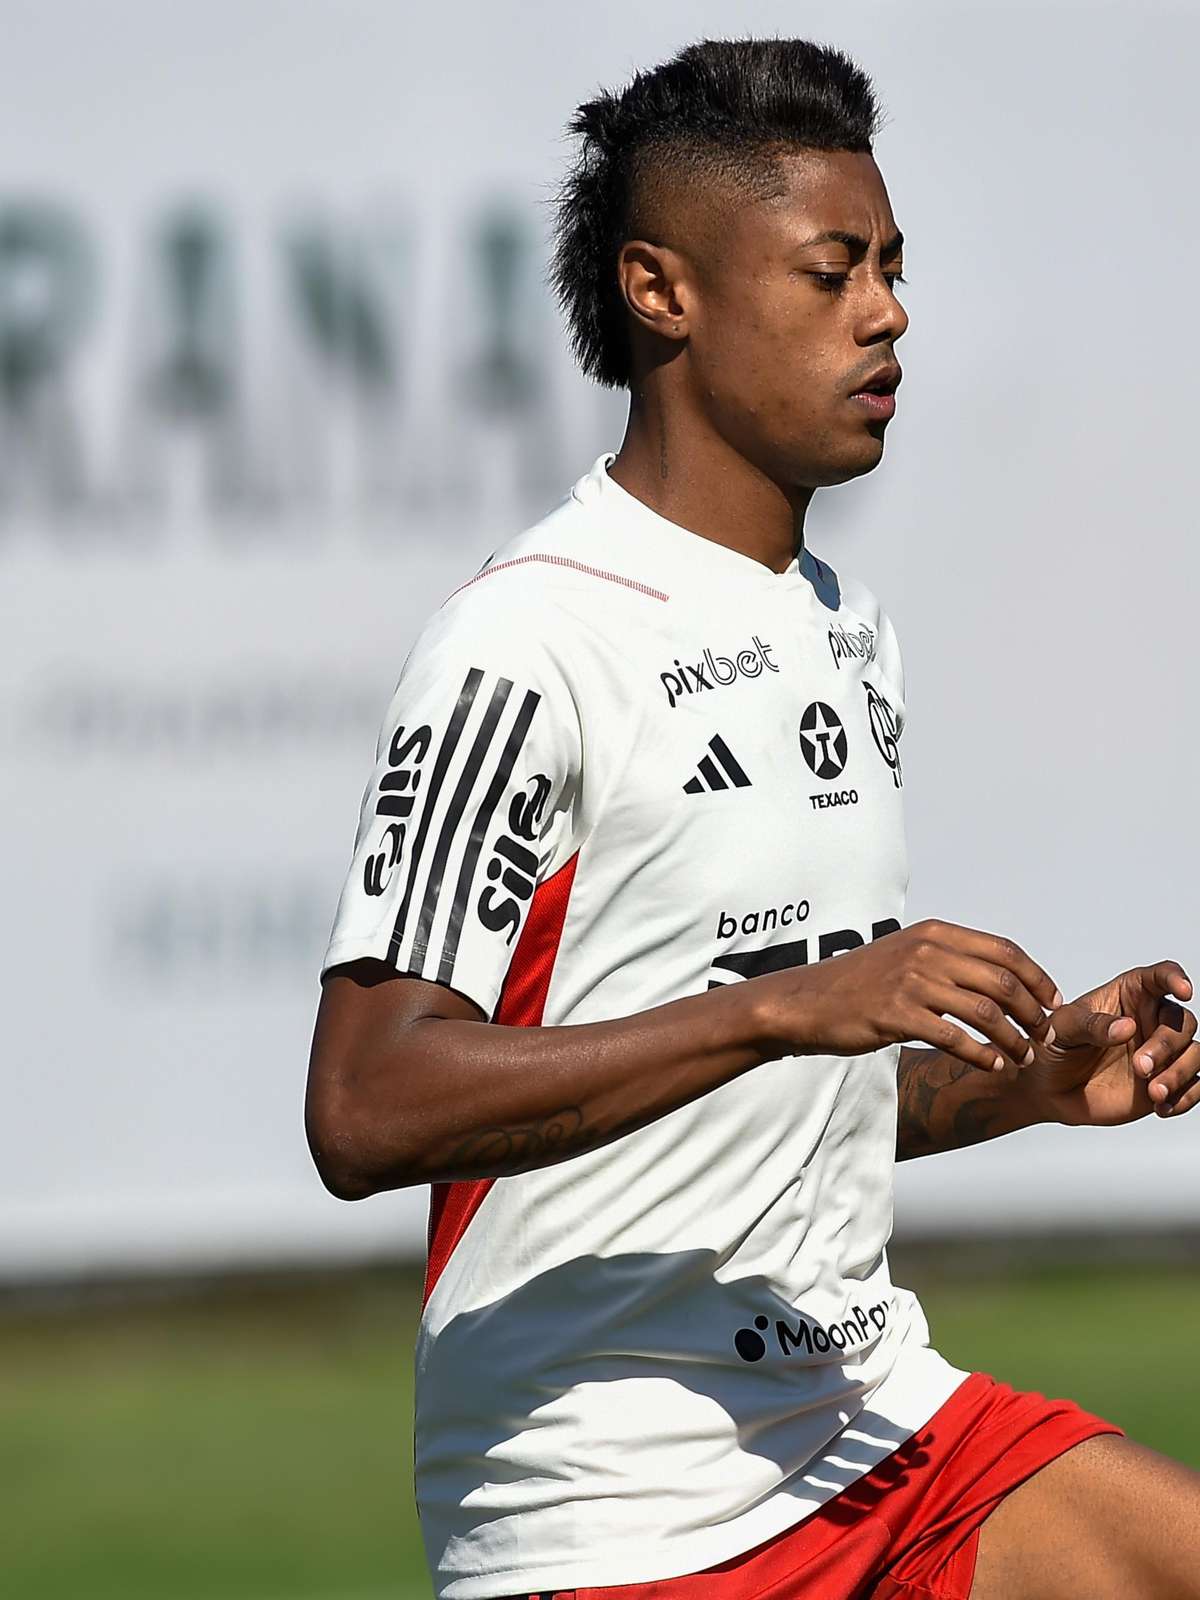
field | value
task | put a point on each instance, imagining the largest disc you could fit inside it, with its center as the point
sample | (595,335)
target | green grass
(1118,1342)
(251,1445)
(254,1443)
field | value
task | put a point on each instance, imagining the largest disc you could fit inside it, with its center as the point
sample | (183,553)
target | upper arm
(471,804)
(364,1009)
(365,1004)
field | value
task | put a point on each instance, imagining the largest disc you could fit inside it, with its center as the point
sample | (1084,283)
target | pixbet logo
(845,646)
(716,672)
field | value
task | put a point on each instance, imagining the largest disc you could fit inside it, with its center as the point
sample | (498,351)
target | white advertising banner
(279,367)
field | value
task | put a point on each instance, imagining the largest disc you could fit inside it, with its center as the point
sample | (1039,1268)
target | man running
(619,966)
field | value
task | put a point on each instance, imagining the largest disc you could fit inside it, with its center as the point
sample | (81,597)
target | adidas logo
(718,770)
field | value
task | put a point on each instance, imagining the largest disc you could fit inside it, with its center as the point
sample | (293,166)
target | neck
(693,477)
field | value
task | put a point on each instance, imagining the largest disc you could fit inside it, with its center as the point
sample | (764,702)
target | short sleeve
(470,806)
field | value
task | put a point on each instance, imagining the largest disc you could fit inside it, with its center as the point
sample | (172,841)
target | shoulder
(561,563)
(839,593)
(858,622)
(852,598)
(519,616)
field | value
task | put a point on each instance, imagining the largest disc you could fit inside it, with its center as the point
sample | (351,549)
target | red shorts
(908,1530)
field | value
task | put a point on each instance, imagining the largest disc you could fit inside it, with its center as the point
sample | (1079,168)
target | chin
(848,466)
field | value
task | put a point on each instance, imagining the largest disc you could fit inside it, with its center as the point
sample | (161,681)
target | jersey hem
(344,950)
(699,1550)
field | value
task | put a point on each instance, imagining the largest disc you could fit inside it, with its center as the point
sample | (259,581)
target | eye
(835,282)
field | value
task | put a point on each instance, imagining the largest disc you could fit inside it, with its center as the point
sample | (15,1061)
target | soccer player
(620,965)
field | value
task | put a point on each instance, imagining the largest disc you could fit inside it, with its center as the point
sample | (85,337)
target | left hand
(1119,1052)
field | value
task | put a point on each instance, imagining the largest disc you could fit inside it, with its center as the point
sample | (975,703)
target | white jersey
(624,764)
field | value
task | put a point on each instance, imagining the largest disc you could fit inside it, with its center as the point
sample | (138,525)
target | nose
(884,318)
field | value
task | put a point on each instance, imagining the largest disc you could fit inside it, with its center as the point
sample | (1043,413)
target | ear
(653,281)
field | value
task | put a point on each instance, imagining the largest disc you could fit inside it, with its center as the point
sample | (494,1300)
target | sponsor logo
(823,740)
(728,925)
(513,864)
(716,672)
(884,731)
(834,797)
(452,820)
(737,964)
(862,1327)
(720,769)
(857,646)
(396,798)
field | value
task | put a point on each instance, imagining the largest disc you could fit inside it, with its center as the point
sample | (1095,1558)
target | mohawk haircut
(720,112)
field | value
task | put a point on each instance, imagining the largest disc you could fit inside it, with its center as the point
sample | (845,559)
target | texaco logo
(884,731)
(823,740)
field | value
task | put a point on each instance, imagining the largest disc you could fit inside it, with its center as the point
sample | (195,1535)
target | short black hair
(721,108)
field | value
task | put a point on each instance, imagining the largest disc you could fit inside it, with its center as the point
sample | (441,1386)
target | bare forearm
(944,1104)
(412,1086)
(448,1099)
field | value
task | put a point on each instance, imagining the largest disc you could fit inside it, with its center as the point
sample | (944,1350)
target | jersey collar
(666,553)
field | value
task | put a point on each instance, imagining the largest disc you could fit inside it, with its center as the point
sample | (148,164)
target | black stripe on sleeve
(483,818)
(466,699)
(454,815)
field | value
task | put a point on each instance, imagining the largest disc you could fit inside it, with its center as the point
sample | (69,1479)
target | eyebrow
(854,242)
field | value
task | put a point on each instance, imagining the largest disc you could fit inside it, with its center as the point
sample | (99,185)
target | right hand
(916,986)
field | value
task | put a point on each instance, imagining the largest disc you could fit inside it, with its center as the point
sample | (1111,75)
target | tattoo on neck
(662,457)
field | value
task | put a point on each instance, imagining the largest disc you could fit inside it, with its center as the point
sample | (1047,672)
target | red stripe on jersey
(451,1207)
(522,1003)
(561,561)
(523,997)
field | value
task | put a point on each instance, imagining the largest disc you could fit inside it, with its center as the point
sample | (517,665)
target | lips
(880,406)
(884,380)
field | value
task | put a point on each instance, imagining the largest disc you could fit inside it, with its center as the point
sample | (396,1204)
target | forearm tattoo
(498,1152)
(944,1104)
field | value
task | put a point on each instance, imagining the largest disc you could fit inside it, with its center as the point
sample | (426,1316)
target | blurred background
(278,369)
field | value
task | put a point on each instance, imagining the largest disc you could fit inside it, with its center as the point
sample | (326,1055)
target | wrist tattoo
(944,1104)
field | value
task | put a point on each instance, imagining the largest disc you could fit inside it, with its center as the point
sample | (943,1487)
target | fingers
(1175,1031)
(1180,1084)
(982,1012)
(1078,1024)
(1166,978)
(951,1040)
(1169,1055)
(1001,985)
(1006,953)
